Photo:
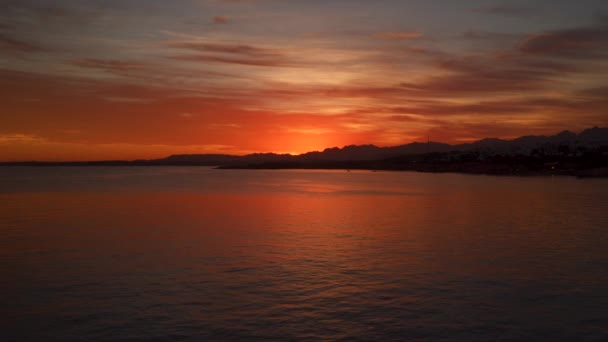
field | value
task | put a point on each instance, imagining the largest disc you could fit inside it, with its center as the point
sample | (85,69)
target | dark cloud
(236,49)
(508,117)
(484,35)
(497,108)
(220,19)
(398,35)
(538,62)
(465,78)
(513,72)
(600,92)
(491,74)
(50,16)
(115,66)
(601,17)
(239,1)
(288,92)
(262,62)
(490,64)
(507,10)
(145,72)
(590,42)
(480,80)
(11,45)
(548,66)
(233,54)
(491,39)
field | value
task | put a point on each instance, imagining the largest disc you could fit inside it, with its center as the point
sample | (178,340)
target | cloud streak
(19,137)
(402,35)
(11,45)
(114,66)
(587,42)
(239,54)
(507,10)
(233,49)
(258,62)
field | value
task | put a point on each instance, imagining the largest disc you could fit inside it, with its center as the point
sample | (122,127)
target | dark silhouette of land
(584,154)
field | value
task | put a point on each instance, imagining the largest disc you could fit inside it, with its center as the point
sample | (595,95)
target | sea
(200,254)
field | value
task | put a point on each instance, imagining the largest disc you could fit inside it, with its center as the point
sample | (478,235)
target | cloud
(465,77)
(19,137)
(225,125)
(346,91)
(486,64)
(239,61)
(507,10)
(601,17)
(401,35)
(130,69)
(238,1)
(220,19)
(537,62)
(597,92)
(12,45)
(51,17)
(398,74)
(317,131)
(121,99)
(475,82)
(232,54)
(494,38)
(586,42)
(17,86)
(108,65)
(513,77)
(490,108)
(236,49)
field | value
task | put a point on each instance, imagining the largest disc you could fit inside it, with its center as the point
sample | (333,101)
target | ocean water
(192,253)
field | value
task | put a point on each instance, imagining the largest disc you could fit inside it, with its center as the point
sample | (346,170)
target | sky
(130,79)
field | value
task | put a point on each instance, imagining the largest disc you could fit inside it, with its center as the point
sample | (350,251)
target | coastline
(599,172)
(581,167)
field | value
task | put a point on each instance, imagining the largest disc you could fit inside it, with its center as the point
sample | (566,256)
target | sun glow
(299,143)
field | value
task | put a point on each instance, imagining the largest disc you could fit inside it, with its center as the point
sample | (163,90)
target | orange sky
(140,79)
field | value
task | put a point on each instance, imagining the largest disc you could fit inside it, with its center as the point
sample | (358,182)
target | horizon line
(288,154)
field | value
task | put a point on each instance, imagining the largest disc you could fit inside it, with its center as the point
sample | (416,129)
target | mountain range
(525,145)
(532,150)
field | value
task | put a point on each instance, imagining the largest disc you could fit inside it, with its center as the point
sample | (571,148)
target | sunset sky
(126,79)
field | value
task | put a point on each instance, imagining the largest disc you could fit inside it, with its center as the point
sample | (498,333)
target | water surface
(190,253)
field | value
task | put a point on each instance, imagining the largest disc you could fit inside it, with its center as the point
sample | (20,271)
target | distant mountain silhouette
(210,159)
(523,145)
(582,151)
(595,135)
(371,152)
(565,153)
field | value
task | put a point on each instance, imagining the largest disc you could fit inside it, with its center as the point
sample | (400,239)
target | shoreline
(473,168)
(600,172)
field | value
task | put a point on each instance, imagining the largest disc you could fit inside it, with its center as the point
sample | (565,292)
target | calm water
(96,253)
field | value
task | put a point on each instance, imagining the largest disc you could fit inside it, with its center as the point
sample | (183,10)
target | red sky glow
(88,80)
